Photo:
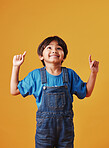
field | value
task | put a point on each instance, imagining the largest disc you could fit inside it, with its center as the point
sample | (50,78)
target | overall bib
(55,116)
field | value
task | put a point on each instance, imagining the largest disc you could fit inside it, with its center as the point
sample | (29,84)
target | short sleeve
(79,87)
(27,85)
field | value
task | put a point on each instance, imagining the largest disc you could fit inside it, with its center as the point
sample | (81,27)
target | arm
(17,62)
(91,82)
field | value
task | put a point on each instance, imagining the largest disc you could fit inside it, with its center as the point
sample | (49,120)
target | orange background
(84,25)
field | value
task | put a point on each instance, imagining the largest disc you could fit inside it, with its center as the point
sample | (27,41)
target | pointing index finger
(24,53)
(90,60)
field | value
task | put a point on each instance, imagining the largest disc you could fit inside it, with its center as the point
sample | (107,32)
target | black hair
(47,41)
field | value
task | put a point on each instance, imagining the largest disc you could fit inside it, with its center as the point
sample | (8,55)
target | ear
(63,60)
(41,57)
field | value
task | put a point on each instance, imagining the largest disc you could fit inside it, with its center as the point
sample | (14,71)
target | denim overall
(55,116)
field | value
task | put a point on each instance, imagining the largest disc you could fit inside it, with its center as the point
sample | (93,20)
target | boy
(53,87)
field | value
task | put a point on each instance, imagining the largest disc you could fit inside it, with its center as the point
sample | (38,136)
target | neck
(53,69)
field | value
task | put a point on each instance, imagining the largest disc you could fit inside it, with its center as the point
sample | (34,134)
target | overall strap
(43,75)
(44,78)
(65,75)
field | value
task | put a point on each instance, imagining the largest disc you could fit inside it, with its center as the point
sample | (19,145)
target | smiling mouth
(54,56)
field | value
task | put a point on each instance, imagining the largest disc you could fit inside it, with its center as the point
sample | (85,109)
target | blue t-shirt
(32,85)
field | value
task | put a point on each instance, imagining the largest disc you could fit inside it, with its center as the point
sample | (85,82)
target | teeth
(54,56)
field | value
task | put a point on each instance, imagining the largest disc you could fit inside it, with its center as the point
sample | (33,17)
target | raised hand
(93,65)
(19,59)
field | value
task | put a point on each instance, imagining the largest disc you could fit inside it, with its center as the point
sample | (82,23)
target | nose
(54,50)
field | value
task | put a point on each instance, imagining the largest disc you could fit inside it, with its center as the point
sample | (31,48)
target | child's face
(53,53)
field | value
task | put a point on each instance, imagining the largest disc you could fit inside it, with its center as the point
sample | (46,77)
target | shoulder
(35,73)
(70,71)
(72,74)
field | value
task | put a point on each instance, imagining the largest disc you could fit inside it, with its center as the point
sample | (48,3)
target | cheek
(44,52)
(62,54)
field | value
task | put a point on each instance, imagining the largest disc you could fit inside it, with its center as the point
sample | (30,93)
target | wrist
(94,74)
(16,66)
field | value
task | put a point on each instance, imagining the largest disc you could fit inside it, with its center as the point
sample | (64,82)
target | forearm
(14,80)
(91,83)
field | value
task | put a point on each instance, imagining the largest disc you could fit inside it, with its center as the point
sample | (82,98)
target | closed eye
(59,48)
(49,47)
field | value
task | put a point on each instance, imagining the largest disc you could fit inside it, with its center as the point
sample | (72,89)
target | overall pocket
(56,100)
